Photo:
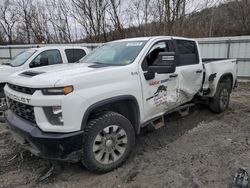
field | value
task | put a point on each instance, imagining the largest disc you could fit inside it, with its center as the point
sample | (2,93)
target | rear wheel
(108,140)
(220,101)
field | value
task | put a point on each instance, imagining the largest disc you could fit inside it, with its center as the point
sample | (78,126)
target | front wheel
(108,140)
(220,101)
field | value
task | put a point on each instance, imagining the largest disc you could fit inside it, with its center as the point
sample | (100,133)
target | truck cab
(92,111)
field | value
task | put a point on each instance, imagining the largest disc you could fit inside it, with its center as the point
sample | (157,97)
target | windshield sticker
(134,44)
(160,96)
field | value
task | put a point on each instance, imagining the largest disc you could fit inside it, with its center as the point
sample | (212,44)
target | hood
(48,76)
(6,71)
(4,67)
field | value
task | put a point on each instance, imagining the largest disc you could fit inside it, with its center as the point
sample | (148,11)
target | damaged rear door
(189,69)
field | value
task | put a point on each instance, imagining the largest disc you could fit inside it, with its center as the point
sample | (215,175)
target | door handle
(199,71)
(173,75)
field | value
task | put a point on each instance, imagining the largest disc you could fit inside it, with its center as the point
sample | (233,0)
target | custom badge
(160,96)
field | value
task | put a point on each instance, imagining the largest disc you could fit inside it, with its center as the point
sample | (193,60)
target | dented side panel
(190,82)
(215,70)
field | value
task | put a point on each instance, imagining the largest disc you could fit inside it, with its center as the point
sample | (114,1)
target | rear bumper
(55,146)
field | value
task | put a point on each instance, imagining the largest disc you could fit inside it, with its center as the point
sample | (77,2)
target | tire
(101,150)
(220,101)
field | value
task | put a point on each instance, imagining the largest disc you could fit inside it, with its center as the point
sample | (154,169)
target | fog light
(54,115)
(56,110)
(61,119)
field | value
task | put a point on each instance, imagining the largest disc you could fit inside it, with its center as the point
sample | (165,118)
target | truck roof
(151,38)
(59,47)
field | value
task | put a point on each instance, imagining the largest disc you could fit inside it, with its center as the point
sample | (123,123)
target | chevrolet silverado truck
(92,111)
(37,57)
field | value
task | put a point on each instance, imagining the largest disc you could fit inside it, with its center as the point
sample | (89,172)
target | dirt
(202,149)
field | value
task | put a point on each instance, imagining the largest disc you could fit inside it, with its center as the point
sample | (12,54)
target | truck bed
(215,69)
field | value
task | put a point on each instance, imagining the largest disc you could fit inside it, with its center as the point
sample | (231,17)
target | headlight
(58,91)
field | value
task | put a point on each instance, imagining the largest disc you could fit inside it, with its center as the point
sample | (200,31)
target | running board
(182,110)
(156,124)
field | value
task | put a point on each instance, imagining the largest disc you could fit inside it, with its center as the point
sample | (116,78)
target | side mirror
(32,64)
(44,61)
(166,63)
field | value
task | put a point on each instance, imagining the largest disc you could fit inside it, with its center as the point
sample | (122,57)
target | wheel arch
(226,77)
(125,105)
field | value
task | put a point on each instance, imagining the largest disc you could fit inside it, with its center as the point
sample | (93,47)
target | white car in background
(37,57)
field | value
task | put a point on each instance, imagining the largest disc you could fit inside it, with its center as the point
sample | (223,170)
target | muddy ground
(200,150)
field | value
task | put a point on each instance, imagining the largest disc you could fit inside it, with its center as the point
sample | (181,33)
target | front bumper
(55,146)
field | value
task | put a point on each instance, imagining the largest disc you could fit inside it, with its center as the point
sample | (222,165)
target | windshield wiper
(99,63)
(106,64)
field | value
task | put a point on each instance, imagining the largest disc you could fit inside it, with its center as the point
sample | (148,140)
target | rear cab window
(187,52)
(74,55)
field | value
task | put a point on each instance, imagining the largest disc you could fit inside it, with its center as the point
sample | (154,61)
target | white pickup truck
(37,57)
(92,111)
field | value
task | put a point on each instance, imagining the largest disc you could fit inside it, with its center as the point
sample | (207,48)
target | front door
(160,93)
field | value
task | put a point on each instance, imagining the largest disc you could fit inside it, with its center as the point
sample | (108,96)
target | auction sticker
(134,44)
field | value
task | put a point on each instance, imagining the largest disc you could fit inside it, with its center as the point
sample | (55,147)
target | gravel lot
(200,150)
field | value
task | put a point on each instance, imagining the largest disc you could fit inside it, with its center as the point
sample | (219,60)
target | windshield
(115,53)
(21,58)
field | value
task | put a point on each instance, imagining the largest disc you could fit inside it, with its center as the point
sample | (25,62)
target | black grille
(22,110)
(21,89)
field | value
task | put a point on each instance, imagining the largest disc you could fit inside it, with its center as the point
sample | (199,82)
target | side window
(188,54)
(49,57)
(73,55)
(152,57)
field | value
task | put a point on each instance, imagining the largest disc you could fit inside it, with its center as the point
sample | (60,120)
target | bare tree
(25,16)
(240,11)
(114,8)
(63,21)
(8,19)
(91,15)
(59,17)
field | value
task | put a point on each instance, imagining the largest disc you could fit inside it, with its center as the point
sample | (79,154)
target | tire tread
(90,128)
